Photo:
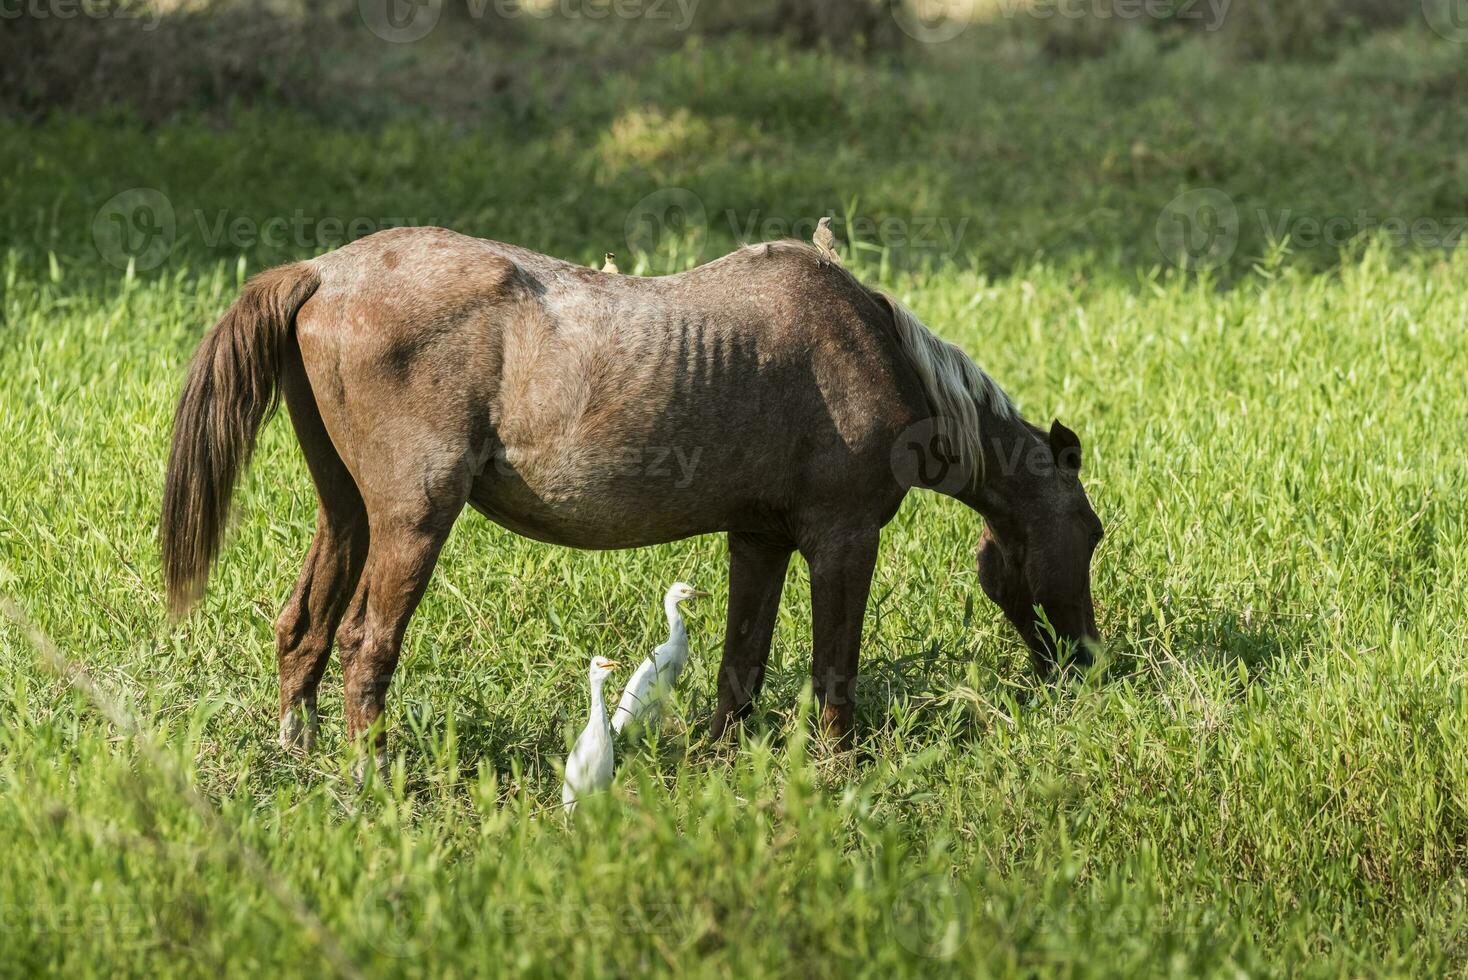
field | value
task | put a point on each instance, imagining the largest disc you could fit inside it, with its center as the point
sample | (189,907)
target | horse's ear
(1065,447)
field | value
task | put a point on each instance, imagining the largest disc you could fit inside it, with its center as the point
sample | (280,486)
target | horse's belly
(597,516)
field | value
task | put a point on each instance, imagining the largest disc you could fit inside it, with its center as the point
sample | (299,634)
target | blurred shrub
(155,60)
(1250,28)
(842,25)
(1307,28)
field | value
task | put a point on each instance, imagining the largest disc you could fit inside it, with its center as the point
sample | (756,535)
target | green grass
(1272,777)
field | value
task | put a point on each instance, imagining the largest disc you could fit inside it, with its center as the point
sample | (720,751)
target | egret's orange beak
(610,665)
(697,593)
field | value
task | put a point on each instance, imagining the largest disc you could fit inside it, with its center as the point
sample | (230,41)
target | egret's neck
(676,631)
(598,706)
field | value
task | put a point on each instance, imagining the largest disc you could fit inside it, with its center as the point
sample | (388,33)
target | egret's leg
(756,576)
(841,564)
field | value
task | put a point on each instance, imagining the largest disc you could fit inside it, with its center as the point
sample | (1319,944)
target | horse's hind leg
(308,621)
(410,519)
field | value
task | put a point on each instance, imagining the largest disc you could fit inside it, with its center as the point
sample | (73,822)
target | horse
(424,370)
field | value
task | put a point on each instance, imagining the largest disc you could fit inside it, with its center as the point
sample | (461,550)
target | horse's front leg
(757,567)
(841,562)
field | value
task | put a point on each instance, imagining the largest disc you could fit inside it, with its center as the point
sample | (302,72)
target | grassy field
(1270,777)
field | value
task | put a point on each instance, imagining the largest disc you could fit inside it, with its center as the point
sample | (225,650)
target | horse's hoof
(298,729)
(380,766)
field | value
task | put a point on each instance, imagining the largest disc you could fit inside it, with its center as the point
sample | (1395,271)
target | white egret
(589,766)
(659,672)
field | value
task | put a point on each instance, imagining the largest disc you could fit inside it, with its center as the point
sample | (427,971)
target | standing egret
(661,670)
(589,766)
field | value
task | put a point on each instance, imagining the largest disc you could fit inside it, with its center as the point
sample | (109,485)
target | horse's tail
(229,393)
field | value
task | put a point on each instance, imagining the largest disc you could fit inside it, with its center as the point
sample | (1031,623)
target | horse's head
(1035,553)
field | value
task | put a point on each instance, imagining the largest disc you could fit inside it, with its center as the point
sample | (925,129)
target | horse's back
(595,409)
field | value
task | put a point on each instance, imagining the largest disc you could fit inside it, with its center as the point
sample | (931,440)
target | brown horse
(424,370)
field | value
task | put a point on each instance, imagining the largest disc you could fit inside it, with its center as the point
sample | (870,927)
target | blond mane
(956,387)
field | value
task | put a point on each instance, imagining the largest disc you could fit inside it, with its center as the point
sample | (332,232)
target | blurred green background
(1013,130)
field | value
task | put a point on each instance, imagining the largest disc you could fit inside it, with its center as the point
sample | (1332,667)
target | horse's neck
(1009,447)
